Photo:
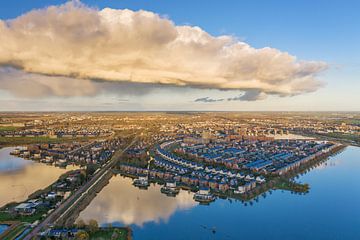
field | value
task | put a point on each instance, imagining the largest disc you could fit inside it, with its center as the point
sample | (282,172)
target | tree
(80,223)
(93,225)
(82,176)
(82,235)
(90,169)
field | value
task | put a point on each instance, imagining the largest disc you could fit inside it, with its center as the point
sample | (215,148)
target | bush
(93,226)
(82,235)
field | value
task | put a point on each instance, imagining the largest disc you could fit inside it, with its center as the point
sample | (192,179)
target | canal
(3,227)
(331,209)
(19,177)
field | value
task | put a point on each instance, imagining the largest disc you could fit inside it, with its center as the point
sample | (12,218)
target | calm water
(19,177)
(330,211)
(3,228)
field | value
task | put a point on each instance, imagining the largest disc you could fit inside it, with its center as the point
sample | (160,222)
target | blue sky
(310,30)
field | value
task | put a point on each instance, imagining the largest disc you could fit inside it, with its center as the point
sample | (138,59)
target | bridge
(64,214)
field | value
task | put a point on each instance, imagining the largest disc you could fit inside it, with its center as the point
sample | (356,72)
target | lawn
(4,216)
(103,233)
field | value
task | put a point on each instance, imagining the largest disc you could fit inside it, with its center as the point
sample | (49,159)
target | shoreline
(255,192)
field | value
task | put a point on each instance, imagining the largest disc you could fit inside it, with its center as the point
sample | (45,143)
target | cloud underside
(80,43)
(208,100)
(31,85)
(249,95)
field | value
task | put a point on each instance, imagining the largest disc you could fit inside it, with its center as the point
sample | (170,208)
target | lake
(331,209)
(19,177)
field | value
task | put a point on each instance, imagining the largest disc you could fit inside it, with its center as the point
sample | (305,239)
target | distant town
(236,156)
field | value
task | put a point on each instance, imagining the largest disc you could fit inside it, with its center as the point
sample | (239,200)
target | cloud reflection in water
(120,201)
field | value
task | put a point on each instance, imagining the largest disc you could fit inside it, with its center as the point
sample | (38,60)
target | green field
(7,128)
(102,234)
(11,141)
(4,216)
(345,136)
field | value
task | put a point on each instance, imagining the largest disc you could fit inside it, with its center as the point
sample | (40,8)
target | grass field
(4,216)
(7,128)
(122,234)
(11,141)
(346,136)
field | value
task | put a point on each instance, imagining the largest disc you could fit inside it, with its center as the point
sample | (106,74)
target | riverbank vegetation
(292,186)
(92,231)
(14,231)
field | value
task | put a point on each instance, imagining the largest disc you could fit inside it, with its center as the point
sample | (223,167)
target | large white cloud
(76,41)
(32,85)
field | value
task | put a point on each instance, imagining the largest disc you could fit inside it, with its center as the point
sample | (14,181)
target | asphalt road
(69,203)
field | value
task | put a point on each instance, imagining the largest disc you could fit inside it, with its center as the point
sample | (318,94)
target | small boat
(141,182)
(204,196)
(15,152)
(49,161)
(61,163)
(170,189)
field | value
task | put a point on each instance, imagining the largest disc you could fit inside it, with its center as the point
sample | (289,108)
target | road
(71,202)
(90,144)
(80,148)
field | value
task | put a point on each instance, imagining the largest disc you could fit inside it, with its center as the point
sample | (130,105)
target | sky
(118,55)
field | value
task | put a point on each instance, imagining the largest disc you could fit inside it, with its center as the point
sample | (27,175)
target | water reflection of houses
(185,181)
(227,168)
(134,206)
